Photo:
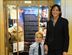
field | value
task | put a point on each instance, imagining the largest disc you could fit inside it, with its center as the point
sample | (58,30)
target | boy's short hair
(38,33)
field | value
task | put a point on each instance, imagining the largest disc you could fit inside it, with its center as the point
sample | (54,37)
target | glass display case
(23,19)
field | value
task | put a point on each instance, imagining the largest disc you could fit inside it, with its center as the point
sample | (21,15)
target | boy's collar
(40,42)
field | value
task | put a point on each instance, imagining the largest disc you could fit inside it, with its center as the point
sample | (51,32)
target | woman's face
(55,12)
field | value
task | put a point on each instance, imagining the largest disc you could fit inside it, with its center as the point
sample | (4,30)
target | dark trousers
(55,52)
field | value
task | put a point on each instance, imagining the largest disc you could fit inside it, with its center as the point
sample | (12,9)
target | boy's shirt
(34,48)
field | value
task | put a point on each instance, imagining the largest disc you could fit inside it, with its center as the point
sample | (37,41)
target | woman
(57,36)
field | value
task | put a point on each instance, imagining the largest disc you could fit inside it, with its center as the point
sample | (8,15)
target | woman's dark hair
(59,8)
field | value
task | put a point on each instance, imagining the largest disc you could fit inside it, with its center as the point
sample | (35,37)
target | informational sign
(20,46)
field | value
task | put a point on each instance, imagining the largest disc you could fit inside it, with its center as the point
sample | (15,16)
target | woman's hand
(64,53)
(46,49)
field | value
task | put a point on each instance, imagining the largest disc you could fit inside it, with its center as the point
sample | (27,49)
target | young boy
(37,48)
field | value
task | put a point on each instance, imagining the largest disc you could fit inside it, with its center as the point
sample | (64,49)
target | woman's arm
(66,36)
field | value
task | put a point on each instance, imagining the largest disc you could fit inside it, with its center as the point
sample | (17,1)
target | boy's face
(38,38)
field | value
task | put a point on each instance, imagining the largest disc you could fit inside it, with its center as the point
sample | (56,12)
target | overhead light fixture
(27,1)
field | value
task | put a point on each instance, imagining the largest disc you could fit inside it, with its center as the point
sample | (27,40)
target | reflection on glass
(15,30)
(43,13)
(30,17)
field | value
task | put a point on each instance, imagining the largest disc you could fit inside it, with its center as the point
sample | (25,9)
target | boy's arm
(31,50)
